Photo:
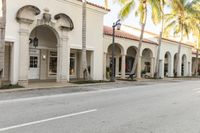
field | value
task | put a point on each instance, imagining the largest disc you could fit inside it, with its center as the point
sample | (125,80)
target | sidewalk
(44,89)
(118,83)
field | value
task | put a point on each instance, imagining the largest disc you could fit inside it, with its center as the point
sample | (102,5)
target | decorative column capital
(24,31)
(64,38)
(25,21)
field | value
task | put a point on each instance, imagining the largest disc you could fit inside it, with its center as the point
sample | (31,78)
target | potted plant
(143,73)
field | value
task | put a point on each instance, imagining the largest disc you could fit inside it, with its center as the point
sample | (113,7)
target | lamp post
(118,25)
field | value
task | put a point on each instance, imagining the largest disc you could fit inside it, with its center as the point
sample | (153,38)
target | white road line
(46,120)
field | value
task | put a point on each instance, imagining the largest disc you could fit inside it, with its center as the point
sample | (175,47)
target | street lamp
(118,25)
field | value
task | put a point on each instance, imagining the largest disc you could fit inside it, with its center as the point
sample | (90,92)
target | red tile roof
(164,38)
(171,40)
(123,34)
(95,5)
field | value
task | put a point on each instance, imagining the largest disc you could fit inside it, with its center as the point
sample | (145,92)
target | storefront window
(53,63)
(33,61)
(72,70)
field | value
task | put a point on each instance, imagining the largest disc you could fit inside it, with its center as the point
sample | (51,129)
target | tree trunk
(133,71)
(179,54)
(2,39)
(159,49)
(197,63)
(197,57)
(106,4)
(85,72)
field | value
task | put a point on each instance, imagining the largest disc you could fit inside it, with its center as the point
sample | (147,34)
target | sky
(131,20)
(112,17)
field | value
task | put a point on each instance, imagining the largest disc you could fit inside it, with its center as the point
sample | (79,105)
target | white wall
(172,48)
(73,9)
(167,46)
(126,43)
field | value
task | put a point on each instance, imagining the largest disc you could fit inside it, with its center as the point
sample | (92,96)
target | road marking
(46,120)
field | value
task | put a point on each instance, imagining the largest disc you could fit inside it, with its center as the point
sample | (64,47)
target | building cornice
(91,6)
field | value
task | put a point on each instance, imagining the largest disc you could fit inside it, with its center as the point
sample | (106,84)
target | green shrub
(10,86)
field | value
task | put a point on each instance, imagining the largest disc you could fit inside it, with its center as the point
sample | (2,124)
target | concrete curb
(49,87)
(92,84)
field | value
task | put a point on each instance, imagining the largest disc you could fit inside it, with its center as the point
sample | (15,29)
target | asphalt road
(156,108)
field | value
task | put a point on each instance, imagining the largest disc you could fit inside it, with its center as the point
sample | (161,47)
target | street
(155,108)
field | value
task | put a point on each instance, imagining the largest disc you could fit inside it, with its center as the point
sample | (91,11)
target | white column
(179,66)
(152,66)
(139,68)
(23,55)
(104,65)
(161,71)
(117,66)
(185,73)
(123,67)
(63,59)
(189,69)
(171,67)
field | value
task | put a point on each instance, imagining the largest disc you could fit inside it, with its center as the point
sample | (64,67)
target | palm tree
(84,69)
(195,26)
(197,51)
(2,38)
(106,4)
(159,18)
(128,7)
(181,13)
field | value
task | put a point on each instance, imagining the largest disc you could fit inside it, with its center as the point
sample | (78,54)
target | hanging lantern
(35,42)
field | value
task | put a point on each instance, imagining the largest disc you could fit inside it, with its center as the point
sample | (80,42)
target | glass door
(52,63)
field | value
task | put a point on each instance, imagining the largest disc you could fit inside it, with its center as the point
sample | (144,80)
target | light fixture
(44,57)
(34,41)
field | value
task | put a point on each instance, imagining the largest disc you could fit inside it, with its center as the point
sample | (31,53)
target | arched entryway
(59,27)
(167,64)
(130,58)
(43,55)
(118,53)
(147,63)
(184,66)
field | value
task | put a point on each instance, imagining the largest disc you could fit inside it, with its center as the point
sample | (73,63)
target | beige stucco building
(125,51)
(57,27)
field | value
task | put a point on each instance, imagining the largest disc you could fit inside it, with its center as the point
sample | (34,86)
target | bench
(131,76)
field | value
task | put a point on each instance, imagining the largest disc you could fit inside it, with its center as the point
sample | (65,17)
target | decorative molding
(67,20)
(41,22)
(36,11)
(26,21)
(24,31)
